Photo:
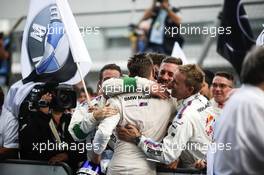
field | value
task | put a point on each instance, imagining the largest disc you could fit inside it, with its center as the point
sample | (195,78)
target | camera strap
(54,131)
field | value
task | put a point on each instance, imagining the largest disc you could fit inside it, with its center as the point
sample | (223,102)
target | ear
(155,69)
(190,90)
(152,74)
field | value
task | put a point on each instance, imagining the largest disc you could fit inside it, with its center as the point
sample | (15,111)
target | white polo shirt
(9,116)
(240,125)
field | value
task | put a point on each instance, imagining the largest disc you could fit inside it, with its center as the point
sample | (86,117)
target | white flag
(260,39)
(178,53)
(51,44)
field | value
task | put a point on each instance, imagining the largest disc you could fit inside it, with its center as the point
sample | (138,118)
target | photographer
(45,135)
(9,124)
(163,17)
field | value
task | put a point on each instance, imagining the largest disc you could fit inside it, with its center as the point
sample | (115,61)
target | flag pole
(84,85)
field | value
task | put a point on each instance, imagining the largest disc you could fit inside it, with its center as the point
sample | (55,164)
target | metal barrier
(179,171)
(30,167)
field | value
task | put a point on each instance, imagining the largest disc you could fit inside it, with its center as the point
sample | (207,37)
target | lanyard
(55,131)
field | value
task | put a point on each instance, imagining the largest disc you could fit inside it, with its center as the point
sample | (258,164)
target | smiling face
(221,86)
(179,88)
(110,73)
(107,74)
(166,73)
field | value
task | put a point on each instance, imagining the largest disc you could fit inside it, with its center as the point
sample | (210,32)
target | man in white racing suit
(83,122)
(150,114)
(189,134)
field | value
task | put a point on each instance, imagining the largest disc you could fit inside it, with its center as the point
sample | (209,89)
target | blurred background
(111,18)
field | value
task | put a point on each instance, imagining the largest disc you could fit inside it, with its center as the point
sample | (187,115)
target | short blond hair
(194,76)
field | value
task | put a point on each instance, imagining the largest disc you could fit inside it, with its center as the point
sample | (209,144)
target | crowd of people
(162,115)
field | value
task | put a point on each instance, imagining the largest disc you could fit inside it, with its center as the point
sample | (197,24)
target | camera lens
(65,97)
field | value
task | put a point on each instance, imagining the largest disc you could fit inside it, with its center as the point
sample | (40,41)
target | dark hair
(111,67)
(227,75)
(90,90)
(140,65)
(79,91)
(209,76)
(82,90)
(253,67)
(157,58)
(194,76)
(172,60)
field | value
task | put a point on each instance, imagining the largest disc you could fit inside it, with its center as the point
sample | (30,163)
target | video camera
(63,97)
